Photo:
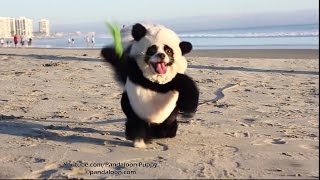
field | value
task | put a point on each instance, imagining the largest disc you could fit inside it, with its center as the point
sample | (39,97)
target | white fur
(139,143)
(126,37)
(156,35)
(152,106)
(148,71)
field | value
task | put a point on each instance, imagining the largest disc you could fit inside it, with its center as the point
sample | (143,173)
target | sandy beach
(60,117)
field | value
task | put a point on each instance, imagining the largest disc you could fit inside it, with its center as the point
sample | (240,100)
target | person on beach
(72,42)
(30,42)
(92,41)
(1,42)
(87,39)
(22,41)
(15,40)
(69,42)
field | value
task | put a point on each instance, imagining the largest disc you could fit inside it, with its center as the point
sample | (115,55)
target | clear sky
(66,11)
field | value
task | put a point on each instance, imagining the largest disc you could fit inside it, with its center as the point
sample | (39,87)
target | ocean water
(271,37)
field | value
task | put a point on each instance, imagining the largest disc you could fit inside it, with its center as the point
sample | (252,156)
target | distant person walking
(15,40)
(22,41)
(87,41)
(92,41)
(69,42)
(1,42)
(72,42)
(30,42)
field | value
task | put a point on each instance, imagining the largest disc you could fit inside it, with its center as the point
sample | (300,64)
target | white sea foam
(249,35)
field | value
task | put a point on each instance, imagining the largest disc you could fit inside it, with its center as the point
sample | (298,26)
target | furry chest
(152,106)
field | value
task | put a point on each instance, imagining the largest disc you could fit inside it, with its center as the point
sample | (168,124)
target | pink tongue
(161,68)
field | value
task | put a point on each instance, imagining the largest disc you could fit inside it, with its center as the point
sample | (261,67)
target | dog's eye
(152,50)
(168,51)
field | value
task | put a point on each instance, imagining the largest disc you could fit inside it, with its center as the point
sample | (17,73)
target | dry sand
(258,118)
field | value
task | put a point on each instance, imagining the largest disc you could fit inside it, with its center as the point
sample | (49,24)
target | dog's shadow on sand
(18,126)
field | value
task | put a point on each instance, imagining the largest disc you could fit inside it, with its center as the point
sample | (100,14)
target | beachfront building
(7,27)
(44,27)
(24,27)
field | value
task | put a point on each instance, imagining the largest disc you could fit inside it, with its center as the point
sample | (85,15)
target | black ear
(138,31)
(185,47)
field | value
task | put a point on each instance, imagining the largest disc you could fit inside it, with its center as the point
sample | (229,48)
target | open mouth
(159,67)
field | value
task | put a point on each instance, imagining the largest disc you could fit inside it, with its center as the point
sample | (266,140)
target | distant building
(7,27)
(24,27)
(44,27)
(10,26)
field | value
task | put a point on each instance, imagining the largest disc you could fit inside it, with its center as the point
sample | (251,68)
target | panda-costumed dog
(156,89)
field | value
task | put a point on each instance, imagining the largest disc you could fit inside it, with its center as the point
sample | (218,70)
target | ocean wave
(249,35)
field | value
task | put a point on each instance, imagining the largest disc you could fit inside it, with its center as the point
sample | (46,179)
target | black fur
(185,47)
(138,31)
(188,94)
(120,65)
(152,50)
(137,127)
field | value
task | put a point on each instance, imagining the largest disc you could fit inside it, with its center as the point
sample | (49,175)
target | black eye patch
(168,51)
(151,50)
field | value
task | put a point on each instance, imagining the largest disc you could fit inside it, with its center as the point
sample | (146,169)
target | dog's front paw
(139,143)
(188,115)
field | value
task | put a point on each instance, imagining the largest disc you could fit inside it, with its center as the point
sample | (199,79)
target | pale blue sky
(90,15)
(64,11)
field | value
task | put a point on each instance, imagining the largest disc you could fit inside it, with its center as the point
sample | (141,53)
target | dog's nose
(161,55)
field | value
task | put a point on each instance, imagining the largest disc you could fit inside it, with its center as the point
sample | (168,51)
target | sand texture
(60,117)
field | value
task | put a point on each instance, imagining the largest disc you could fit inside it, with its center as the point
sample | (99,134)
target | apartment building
(44,26)
(24,27)
(10,26)
(7,27)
